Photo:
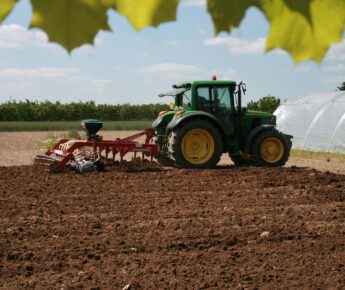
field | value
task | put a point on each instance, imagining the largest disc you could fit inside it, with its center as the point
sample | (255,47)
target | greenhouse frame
(317,122)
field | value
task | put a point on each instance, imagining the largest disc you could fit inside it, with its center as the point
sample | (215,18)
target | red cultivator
(83,155)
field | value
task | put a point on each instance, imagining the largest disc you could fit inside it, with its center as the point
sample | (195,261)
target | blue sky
(126,66)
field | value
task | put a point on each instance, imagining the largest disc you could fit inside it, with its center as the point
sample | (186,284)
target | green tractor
(207,120)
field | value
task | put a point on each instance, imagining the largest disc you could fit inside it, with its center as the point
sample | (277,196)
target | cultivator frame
(57,157)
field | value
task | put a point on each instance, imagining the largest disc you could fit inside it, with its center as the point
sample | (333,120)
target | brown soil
(228,228)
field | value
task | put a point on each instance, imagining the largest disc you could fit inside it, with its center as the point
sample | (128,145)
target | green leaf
(304,28)
(227,14)
(70,23)
(305,31)
(143,13)
(5,8)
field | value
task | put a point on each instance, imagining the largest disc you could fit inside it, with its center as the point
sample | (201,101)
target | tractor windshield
(187,99)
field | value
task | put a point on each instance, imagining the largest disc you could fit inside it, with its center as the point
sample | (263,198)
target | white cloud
(334,80)
(41,72)
(237,45)
(16,36)
(98,40)
(334,68)
(14,86)
(88,48)
(337,51)
(193,3)
(172,70)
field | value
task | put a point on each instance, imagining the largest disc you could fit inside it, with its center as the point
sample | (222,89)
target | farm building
(317,122)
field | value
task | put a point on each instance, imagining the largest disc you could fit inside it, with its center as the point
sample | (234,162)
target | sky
(126,66)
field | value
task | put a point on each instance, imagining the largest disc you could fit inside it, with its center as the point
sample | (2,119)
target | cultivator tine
(43,160)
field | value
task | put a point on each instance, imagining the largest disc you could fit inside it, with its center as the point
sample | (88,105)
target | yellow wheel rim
(272,150)
(197,146)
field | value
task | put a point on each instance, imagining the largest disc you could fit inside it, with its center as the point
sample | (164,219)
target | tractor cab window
(212,99)
(221,98)
(204,99)
(216,100)
(186,99)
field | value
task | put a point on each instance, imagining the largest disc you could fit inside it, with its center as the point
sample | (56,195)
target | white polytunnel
(317,122)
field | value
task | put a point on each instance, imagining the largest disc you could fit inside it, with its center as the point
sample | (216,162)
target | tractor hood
(257,113)
(269,118)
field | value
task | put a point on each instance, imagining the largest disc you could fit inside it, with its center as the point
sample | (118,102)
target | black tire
(270,148)
(239,160)
(164,161)
(209,151)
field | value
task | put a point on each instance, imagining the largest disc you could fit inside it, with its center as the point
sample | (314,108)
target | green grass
(316,154)
(53,139)
(18,126)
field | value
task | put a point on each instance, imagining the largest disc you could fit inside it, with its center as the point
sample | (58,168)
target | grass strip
(316,154)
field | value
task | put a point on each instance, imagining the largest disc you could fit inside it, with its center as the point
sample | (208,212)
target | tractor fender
(176,121)
(159,122)
(255,131)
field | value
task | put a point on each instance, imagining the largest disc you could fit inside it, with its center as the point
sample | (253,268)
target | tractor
(207,119)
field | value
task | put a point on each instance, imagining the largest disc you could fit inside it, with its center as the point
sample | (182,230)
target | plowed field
(151,228)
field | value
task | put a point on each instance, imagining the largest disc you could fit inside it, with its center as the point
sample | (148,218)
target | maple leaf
(70,23)
(6,7)
(304,28)
(143,13)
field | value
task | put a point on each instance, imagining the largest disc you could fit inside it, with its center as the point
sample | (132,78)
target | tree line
(266,104)
(75,111)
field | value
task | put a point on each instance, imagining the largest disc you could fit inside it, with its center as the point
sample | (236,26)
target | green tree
(266,104)
(341,87)
(48,111)
(304,28)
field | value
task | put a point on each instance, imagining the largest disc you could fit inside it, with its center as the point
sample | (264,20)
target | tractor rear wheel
(195,144)
(270,148)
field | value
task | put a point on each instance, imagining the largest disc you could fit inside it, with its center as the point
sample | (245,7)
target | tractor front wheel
(195,144)
(270,148)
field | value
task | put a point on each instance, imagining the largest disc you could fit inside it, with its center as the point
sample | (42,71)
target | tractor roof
(185,86)
(174,92)
(204,82)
